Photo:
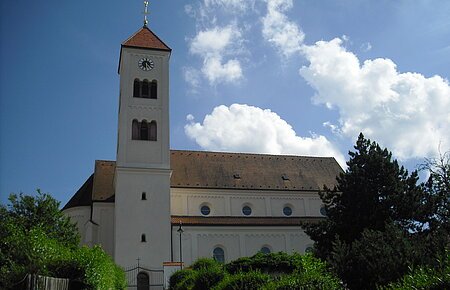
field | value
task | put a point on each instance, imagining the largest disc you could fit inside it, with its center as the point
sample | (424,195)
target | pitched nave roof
(221,170)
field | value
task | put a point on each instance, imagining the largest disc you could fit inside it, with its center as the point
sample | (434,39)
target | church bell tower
(142,177)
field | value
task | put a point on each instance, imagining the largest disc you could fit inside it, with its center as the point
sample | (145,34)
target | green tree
(372,192)
(438,187)
(41,210)
(376,202)
(36,238)
(431,278)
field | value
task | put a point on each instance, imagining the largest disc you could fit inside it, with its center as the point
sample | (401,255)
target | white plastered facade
(200,241)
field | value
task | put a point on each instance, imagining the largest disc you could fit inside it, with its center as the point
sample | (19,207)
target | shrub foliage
(261,271)
(36,238)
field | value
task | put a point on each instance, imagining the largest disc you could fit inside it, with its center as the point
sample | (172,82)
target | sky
(267,76)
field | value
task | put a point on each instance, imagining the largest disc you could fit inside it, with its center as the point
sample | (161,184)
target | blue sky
(275,76)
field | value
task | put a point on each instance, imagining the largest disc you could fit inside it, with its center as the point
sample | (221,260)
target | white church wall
(198,242)
(315,203)
(296,203)
(228,241)
(135,217)
(135,153)
(299,242)
(103,216)
(188,201)
(215,202)
(256,203)
(80,216)
(276,242)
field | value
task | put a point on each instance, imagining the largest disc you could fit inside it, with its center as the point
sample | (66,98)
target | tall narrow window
(143,238)
(153,131)
(137,88)
(135,130)
(145,89)
(153,90)
(144,130)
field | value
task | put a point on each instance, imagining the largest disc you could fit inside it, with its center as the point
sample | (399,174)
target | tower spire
(145,13)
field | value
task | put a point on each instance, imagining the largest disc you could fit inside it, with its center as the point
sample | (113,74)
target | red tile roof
(145,38)
(241,221)
(221,170)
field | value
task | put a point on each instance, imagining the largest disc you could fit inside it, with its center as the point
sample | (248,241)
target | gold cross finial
(145,12)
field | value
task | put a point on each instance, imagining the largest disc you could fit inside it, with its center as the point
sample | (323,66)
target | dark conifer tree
(376,199)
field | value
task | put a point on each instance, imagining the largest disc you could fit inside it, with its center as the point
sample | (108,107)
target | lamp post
(180,231)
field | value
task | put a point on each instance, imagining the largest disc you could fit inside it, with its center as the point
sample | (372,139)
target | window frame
(265,252)
(222,254)
(247,206)
(287,206)
(205,206)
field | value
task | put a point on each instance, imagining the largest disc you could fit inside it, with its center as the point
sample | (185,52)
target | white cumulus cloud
(243,128)
(282,33)
(406,112)
(233,5)
(214,46)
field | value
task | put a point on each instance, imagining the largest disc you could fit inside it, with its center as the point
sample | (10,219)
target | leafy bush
(426,277)
(252,280)
(261,271)
(35,238)
(267,263)
(205,263)
(182,279)
(100,271)
(312,274)
(204,274)
(207,278)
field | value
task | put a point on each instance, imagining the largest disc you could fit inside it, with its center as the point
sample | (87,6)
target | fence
(34,282)
(141,278)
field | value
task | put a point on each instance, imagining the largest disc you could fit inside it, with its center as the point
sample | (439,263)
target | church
(154,205)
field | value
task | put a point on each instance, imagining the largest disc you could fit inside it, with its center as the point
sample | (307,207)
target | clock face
(146,64)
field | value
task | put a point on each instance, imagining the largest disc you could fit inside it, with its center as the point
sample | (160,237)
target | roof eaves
(83,197)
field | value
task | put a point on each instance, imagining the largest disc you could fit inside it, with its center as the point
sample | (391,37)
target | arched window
(143,281)
(265,250)
(135,130)
(144,130)
(153,90)
(144,196)
(137,88)
(153,131)
(145,89)
(219,255)
(143,238)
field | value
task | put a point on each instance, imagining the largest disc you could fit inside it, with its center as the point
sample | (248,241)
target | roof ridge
(249,153)
(136,41)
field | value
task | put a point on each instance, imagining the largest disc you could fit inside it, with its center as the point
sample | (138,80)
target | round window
(323,211)
(205,210)
(287,211)
(265,250)
(246,210)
